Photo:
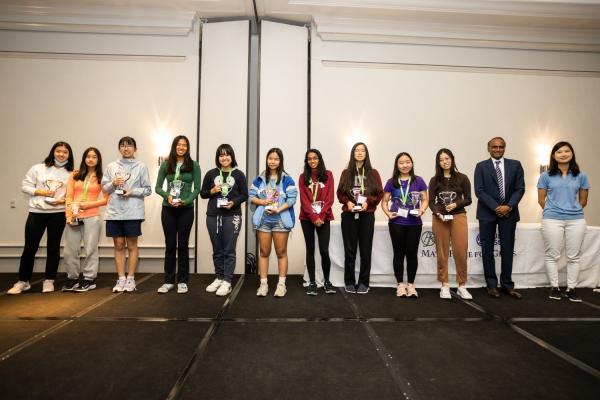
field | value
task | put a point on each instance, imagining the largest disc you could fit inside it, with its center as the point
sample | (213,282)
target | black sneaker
(555,294)
(572,296)
(329,288)
(70,285)
(350,288)
(362,289)
(311,289)
(86,285)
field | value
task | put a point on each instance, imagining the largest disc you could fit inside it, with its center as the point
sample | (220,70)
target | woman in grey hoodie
(127,182)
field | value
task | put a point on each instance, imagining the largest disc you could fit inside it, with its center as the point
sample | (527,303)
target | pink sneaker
(401,290)
(411,291)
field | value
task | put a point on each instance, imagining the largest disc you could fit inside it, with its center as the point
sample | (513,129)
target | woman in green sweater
(183,186)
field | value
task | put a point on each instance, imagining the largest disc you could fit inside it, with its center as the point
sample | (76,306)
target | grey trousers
(89,232)
(223,232)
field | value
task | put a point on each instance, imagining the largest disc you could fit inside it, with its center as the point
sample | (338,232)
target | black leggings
(177,224)
(323,233)
(405,242)
(37,223)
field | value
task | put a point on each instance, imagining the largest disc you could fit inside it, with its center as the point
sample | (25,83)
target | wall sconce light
(543,151)
(161,159)
(544,168)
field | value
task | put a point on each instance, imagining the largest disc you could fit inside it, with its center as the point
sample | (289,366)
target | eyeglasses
(123,146)
(497,147)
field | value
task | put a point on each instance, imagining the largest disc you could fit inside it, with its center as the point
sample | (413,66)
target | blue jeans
(224,232)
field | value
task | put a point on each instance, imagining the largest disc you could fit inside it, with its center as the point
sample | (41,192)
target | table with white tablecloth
(528,264)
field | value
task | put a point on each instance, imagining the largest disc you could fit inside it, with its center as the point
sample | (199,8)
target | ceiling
(559,22)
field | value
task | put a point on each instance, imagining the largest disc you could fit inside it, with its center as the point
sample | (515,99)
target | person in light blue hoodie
(273,195)
(127,182)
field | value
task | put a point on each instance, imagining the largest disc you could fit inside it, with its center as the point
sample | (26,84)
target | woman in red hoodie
(316,198)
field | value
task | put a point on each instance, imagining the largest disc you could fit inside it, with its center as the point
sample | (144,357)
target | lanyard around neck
(404,194)
(361,179)
(177,171)
(314,188)
(86,182)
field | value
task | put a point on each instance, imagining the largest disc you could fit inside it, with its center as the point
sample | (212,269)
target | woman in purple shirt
(404,201)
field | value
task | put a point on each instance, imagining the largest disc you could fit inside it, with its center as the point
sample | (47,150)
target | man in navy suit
(499,187)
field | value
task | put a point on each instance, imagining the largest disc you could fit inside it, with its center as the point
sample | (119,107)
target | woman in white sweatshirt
(46,184)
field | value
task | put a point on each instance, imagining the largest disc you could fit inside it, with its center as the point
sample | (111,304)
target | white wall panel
(283,111)
(223,112)
(92,102)
(397,108)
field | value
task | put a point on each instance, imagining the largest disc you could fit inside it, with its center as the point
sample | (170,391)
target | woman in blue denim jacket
(273,195)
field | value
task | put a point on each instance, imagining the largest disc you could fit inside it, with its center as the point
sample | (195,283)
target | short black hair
(225,149)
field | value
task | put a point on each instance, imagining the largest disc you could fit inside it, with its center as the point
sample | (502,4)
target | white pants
(559,234)
(90,233)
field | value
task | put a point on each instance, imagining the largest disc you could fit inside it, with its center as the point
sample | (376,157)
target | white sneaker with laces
(166,287)
(281,290)
(214,285)
(20,286)
(48,286)
(182,288)
(263,290)
(464,293)
(129,285)
(445,293)
(224,289)
(120,286)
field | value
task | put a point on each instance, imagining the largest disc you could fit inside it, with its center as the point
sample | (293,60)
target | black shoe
(350,288)
(362,289)
(311,289)
(86,285)
(329,288)
(70,285)
(572,296)
(555,294)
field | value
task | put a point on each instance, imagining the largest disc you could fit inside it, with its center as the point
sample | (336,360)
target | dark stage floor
(99,345)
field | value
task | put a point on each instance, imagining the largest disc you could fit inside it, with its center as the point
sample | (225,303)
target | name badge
(448,217)
(402,212)
(222,201)
(317,207)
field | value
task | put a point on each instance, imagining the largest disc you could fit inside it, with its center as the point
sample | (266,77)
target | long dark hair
(321,170)
(439,171)
(188,164)
(225,150)
(81,174)
(553,168)
(280,169)
(351,172)
(396,173)
(49,161)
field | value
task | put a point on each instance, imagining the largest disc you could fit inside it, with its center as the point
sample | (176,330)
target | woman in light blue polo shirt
(563,193)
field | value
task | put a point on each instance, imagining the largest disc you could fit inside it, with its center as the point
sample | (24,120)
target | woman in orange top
(84,199)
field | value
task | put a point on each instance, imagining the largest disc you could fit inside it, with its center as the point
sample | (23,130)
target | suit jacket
(486,189)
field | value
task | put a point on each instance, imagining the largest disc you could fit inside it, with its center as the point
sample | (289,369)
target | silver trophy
(446,198)
(75,210)
(55,186)
(175,192)
(415,201)
(317,206)
(120,190)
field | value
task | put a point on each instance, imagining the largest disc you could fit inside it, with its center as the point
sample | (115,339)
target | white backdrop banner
(528,264)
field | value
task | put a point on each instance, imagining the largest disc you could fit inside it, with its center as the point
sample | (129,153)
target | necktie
(500,180)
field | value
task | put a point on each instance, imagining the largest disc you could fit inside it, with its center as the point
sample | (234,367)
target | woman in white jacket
(46,185)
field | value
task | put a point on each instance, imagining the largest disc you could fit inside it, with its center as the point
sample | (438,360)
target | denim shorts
(124,228)
(273,226)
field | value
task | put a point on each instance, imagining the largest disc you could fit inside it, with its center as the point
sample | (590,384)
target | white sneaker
(597,290)
(129,285)
(464,293)
(165,288)
(20,286)
(214,285)
(281,290)
(120,286)
(224,289)
(48,286)
(445,293)
(263,289)
(182,288)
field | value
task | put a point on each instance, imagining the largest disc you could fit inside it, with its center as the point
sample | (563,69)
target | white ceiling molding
(98,20)
(452,34)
